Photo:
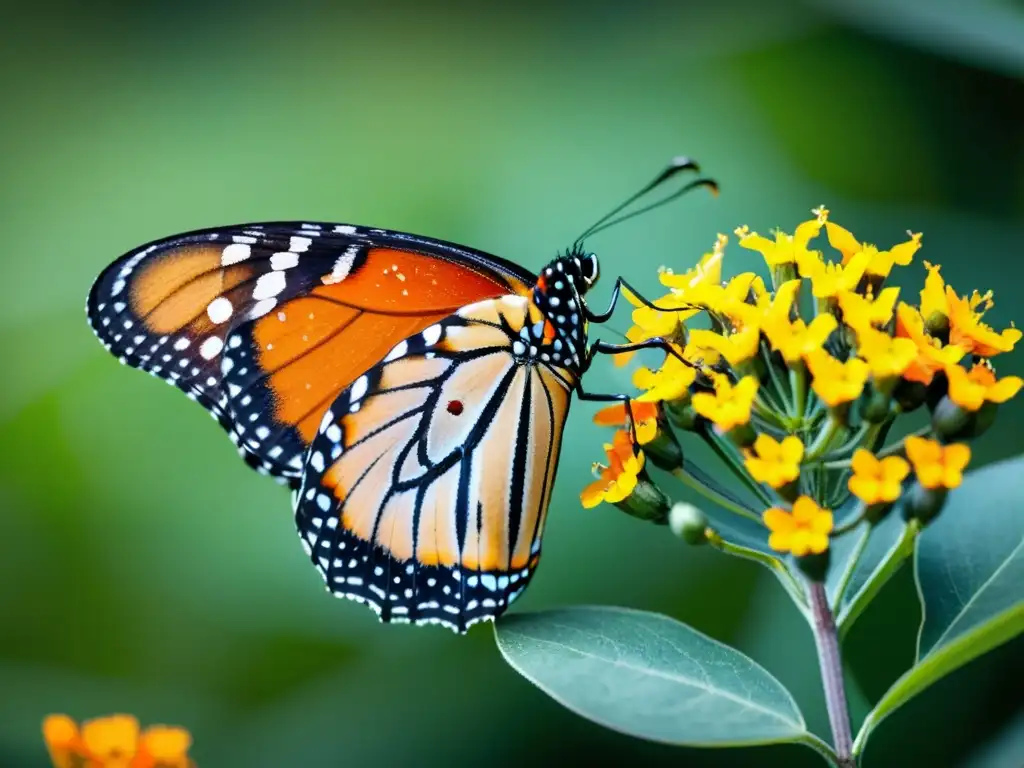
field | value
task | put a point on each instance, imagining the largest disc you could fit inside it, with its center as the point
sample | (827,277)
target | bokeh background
(144,568)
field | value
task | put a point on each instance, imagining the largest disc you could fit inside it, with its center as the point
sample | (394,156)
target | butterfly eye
(455,407)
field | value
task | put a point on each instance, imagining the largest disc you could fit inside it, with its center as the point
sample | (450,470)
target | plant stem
(851,565)
(712,495)
(896,447)
(827,641)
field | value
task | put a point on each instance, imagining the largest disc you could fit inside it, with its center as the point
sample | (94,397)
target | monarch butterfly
(411,392)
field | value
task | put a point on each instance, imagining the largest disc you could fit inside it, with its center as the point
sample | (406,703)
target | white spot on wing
(219,310)
(284,260)
(210,348)
(235,253)
(431,335)
(269,285)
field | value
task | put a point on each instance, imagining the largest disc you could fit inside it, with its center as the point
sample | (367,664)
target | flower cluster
(797,382)
(116,741)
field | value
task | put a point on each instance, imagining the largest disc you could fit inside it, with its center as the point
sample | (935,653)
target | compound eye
(591,270)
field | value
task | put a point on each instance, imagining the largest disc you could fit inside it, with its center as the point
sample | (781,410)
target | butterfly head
(558,299)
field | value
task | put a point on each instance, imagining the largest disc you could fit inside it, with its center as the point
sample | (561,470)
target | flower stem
(711,494)
(889,450)
(822,442)
(827,642)
(851,565)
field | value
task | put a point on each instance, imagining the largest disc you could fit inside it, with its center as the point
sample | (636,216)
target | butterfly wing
(425,490)
(264,324)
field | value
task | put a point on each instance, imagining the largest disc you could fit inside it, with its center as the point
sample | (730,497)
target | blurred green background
(144,568)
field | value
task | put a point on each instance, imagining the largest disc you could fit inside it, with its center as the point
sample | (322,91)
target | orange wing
(265,324)
(426,488)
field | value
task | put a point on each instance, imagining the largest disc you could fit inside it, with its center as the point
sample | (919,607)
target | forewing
(264,324)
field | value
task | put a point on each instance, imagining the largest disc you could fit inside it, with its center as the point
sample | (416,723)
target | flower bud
(814,567)
(923,504)
(664,450)
(682,414)
(742,435)
(937,326)
(951,422)
(646,502)
(878,407)
(688,523)
(909,395)
(876,513)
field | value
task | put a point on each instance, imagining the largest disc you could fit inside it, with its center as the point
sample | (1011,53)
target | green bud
(909,395)
(688,523)
(937,326)
(878,407)
(664,450)
(923,504)
(646,502)
(814,567)
(681,414)
(951,422)
(876,513)
(742,436)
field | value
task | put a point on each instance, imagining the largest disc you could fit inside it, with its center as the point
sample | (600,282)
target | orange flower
(970,390)
(645,414)
(968,331)
(932,356)
(875,481)
(802,532)
(619,478)
(115,742)
(937,465)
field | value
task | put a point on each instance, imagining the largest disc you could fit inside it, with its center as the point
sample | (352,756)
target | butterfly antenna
(676,165)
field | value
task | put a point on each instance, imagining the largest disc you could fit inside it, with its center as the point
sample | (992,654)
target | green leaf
(650,676)
(888,545)
(969,568)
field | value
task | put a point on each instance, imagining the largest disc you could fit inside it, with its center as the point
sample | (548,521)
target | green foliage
(969,567)
(650,676)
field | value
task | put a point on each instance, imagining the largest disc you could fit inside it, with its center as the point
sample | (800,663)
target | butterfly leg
(620,283)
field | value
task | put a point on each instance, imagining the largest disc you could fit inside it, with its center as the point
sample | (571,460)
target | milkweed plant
(797,388)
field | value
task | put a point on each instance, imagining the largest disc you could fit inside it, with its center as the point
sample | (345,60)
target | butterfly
(411,392)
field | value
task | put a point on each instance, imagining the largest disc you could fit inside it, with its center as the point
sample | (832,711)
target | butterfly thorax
(558,313)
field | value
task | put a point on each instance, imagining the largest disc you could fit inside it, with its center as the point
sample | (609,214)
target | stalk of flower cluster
(826,639)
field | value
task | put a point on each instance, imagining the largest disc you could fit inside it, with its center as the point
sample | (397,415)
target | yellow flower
(645,415)
(829,279)
(786,249)
(619,478)
(937,465)
(836,382)
(797,339)
(775,463)
(670,382)
(876,481)
(887,357)
(115,742)
(866,312)
(880,263)
(690,292)
(736,348)
(934,304)
(802,532)
(729,406)
(970,390)
(968,331)
(932,356)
